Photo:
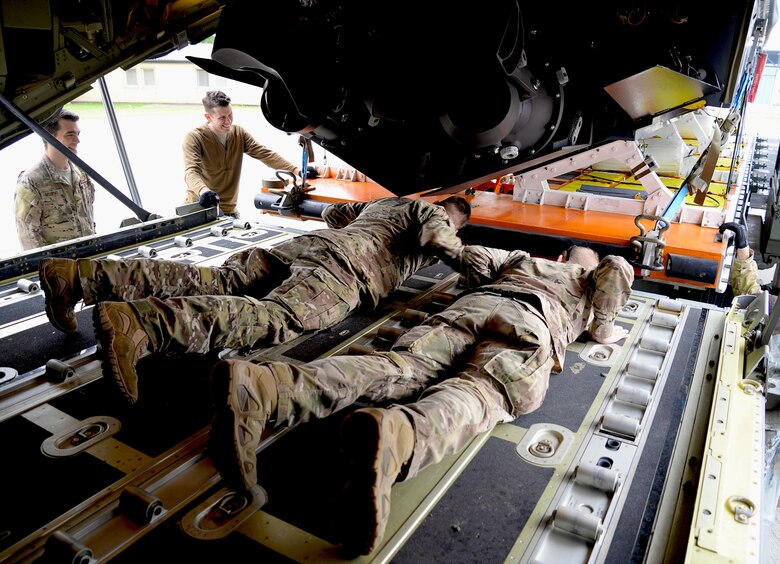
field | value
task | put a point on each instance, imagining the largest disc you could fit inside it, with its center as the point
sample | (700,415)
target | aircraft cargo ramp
(608,469)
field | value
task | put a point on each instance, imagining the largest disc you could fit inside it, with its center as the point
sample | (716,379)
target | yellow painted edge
(732,464)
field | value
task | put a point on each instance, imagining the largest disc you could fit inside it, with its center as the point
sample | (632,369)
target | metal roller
(27,286)
(359,349)
(670,305)
(59,371)
(182,241)
(389,333)
(636,367)
(654,343)
(275,183)
(442,298)
(241,224)
(139,505)
(413,317)
(147,251)
(664,319)
(61,547)
(579,523)
(595,476)
(633,394)
(620,424)
(219,231)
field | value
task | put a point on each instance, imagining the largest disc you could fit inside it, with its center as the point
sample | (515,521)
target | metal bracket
(7,374)
(531,186)
(80,437)
(223,513)
(649,245)
(757,325)
(289,200)
(742,508)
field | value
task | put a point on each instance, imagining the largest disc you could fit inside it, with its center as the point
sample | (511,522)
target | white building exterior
(171,79)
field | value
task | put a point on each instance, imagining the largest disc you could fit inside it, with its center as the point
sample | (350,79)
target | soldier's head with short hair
(54,123)
(215,99)
(219,112)
(458,209)
(584,256)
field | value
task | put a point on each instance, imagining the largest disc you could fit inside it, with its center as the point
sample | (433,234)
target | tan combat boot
(377,444)
(59,279)
(245,396)
(123,342)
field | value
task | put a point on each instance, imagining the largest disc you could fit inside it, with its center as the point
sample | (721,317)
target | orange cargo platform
(699,245)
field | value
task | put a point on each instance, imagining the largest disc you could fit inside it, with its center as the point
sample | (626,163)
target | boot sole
(224,444)
(49,291)
(361,439)
(104,331)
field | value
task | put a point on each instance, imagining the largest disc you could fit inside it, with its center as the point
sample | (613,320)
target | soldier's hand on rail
(209,199)
(616,335)
(740,233)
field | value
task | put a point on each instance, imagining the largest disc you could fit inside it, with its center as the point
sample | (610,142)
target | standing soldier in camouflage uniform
(54,199)
(213,153)
(511,332)
(314,280)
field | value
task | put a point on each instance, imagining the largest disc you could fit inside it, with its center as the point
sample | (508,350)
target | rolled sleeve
(612,280)
(438,237)
(480,265)
(342,214)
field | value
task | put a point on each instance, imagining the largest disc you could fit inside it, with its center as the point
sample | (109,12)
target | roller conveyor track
(118,448)
(493,501)
(29,342)
(127,483)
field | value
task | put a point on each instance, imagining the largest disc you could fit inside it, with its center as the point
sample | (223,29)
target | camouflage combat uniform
(511,333)
(744,276)
(52,206)
(271,296)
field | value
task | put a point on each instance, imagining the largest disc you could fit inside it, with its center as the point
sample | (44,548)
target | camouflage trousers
(501,352)
(256,297)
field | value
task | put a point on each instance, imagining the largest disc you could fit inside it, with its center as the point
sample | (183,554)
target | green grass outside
(93,108)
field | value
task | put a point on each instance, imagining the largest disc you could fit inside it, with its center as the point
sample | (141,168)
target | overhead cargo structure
(52,52)
(441,96)
(643,104)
